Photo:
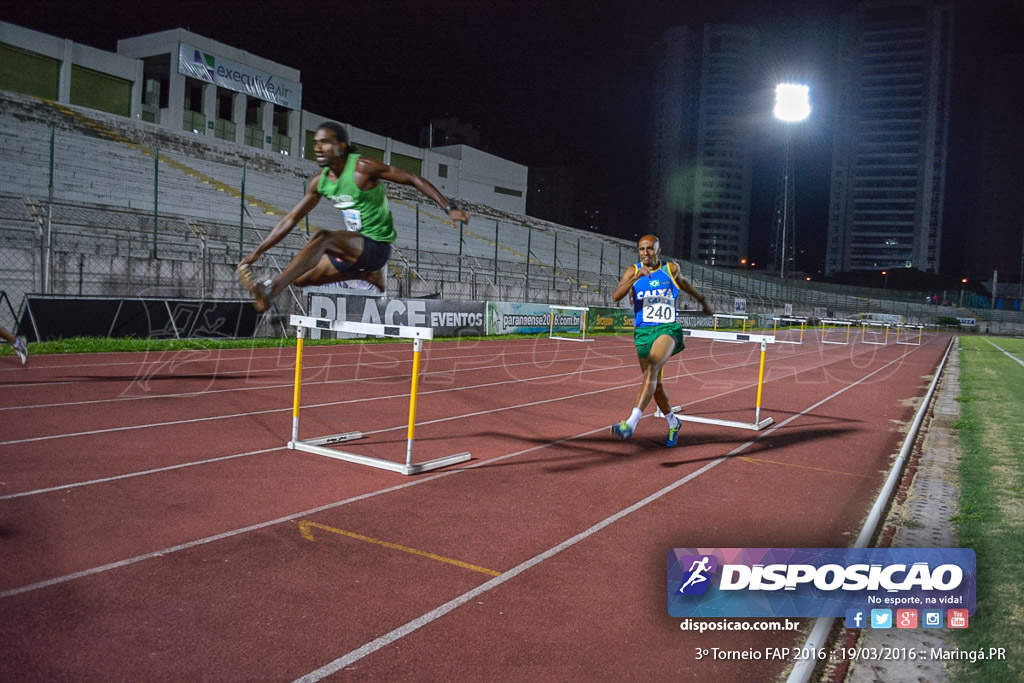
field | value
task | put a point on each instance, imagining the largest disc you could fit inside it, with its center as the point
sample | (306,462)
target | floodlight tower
(792,105)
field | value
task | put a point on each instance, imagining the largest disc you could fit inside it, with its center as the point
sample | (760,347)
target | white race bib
(657,309)
(353,219)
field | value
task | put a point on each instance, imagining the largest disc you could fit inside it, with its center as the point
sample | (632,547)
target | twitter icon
(881,618)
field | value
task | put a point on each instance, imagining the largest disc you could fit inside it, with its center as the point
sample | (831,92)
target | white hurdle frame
(716,316)
(318,445)
(551,325)
(865,324)
(848,324)
(737,338)
(920,332)
(788,319)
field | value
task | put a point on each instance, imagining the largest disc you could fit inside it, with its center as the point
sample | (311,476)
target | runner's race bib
(353,219)
(659,310)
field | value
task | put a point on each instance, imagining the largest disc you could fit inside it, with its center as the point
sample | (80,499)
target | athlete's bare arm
(285,225)
(683,284)
(629,278)
(369,172)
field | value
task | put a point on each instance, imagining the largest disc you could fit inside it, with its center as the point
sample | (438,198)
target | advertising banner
(225,73)
(447,318)
(517,318)
(820,582)
(601,319)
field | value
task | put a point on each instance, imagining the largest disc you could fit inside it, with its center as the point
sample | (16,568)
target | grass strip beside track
(991,517)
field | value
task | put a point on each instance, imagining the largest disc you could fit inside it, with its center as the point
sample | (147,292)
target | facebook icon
(855,618)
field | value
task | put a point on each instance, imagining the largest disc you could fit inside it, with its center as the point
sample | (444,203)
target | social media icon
(906,618)
(932,618)
(881,618)
(957,618)
(856,618)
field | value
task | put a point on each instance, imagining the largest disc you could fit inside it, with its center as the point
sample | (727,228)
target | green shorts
(644,337)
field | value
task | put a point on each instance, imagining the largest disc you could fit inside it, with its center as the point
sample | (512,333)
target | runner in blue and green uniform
(360,251)
(653,287)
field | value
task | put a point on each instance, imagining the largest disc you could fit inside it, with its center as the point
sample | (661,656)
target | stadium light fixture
(792,105)
(792,102)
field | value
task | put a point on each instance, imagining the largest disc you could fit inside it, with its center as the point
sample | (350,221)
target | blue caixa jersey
(654,298)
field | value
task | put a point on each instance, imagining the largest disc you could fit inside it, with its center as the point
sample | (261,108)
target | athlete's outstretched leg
(661,351)
(343,244)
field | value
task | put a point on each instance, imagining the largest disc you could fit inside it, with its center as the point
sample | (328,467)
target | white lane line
(1019,361)
(309,370)
(334,354)
(438,612)
(108,430)
(141,473)
(263,525)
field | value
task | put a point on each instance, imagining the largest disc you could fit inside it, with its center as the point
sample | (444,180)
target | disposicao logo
(813,582)
(696,580)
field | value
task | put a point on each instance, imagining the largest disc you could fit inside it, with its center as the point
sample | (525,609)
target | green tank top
(365,212)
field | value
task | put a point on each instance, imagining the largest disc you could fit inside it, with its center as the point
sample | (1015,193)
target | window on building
(27,72)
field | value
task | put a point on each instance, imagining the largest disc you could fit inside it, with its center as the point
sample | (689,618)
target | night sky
(547,82)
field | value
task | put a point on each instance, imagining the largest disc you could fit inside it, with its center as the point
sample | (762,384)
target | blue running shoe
(622,430)
(673,434)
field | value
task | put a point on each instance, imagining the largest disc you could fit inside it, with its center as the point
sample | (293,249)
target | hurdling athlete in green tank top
(365,212)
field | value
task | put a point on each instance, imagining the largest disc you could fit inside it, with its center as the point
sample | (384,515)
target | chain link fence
(90,212)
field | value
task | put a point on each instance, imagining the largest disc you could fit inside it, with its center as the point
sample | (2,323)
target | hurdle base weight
(312,446)
(753,426)
(334,438)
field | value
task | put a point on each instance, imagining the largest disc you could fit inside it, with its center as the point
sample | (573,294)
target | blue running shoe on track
(673,434)
(622,430)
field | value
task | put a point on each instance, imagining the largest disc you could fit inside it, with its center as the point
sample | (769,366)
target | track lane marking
(760,461)
(427,479)
(306,529)
(211,418)
(1010,355)
(438,612)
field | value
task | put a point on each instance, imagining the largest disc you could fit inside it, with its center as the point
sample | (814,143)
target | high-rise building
(995,217)
(674,139)
(891,131)
(701,152)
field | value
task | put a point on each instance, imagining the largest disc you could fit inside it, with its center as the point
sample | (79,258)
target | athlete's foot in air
(260,290)
(376,278)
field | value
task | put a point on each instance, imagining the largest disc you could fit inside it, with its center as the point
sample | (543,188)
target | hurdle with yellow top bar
(743,327)
(848,325)
(738,338)
(907,339)
(788,319)
(319,445)
(583,327)
(865,324)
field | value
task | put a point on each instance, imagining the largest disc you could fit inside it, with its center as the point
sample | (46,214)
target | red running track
(153,526)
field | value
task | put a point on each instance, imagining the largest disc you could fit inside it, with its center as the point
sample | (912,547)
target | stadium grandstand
(98,204)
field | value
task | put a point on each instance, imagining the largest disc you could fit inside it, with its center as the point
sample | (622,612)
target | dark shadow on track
(774,443)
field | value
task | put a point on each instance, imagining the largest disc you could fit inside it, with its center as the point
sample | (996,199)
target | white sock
(673,421)
(634,417)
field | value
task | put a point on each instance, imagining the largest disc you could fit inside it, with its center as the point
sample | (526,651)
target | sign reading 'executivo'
(816,582)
